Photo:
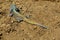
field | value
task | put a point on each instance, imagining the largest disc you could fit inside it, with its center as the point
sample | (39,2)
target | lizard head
(13,7)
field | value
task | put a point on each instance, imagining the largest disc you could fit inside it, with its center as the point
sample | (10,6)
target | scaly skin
(13,8)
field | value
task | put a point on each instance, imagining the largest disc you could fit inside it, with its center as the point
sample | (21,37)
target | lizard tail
(34,23)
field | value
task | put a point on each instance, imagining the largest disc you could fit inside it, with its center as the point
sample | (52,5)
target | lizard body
(13,10)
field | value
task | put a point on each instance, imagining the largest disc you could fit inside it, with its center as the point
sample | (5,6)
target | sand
(45,12)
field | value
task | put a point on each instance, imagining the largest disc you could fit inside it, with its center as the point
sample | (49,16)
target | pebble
(0,34)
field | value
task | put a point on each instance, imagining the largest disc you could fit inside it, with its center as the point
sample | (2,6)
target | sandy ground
(46,12)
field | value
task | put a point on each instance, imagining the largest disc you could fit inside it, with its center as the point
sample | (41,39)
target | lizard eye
(17,10)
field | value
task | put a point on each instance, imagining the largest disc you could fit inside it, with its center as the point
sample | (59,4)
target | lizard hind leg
(19,19)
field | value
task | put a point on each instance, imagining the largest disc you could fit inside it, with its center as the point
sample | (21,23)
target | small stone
(36,0)
(0,38)
(3,25)
(53,38)
(0,12)
(0,34)
(12,21)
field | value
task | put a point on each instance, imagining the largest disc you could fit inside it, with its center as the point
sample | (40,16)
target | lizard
(15,11)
